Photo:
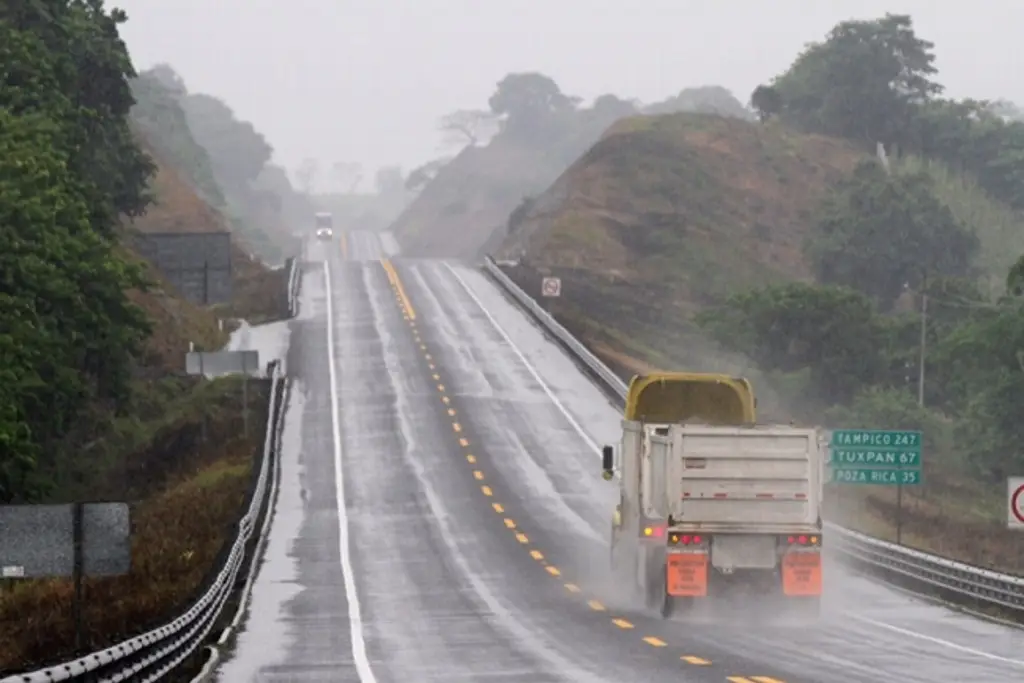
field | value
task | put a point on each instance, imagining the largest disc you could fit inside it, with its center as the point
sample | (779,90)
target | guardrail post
(76,575)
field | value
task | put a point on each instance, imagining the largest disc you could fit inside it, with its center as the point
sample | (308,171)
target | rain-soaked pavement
(459,445)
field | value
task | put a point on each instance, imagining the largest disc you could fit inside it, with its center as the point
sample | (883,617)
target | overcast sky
(366,80)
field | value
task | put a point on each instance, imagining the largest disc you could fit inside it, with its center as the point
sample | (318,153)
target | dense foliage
(895,267)
(68,169)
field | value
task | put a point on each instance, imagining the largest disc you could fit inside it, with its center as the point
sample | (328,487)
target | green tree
(531,104)
(70,333)
(865,82)
(767,101)
(883,234)
(68,168)
(833,331)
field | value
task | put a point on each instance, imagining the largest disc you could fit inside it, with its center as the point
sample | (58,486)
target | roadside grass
(185,467)
(999,228)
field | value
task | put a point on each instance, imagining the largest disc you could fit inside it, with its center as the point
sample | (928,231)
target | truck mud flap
(686,574)
(801,574)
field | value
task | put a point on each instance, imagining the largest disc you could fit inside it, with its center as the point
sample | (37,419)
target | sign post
(880,457)
(1015,502)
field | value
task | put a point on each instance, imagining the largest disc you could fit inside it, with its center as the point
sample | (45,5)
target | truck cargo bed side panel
(746,476)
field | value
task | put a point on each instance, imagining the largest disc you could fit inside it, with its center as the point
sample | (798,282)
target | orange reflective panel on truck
(801,573)
(687,574)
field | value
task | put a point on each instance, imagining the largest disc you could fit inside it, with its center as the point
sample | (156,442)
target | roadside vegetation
(93,402)
(789,251)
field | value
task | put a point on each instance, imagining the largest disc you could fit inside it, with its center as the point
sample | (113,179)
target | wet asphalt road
(475,517)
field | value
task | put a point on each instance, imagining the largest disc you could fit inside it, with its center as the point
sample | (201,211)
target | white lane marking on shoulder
(937,641)
(529,366)
(355,619)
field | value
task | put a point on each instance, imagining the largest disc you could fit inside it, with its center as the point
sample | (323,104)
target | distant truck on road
(712,505)
(324,222)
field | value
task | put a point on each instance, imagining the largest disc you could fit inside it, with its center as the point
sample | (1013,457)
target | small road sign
(1015,500)
(551,287)
(884,477)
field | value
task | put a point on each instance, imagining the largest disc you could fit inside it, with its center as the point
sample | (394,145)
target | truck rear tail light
(685,539)
(803,540)
(654,531)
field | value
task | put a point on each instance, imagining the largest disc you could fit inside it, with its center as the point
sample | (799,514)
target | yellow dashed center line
(696,661)
(397,284)
(409,314)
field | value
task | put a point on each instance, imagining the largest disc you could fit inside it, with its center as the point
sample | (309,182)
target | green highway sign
(876,439)
(846,457)
(885,477)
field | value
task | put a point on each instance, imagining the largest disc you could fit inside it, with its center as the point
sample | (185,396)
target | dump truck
(711,504)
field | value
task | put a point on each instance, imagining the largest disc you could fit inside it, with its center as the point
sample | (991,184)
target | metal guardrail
(898,563)
(152,655)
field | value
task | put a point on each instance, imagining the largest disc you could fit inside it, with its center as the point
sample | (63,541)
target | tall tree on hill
(88,70)
(237,150)
(465,127)
(529,103)
(865,82)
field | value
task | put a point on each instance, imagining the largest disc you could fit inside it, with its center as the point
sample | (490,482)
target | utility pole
(924,341)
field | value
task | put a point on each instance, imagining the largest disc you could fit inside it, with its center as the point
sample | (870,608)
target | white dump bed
(738,478)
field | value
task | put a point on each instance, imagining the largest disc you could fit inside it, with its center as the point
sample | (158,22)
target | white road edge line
(526,363)
(355,619)
(592,444)
(938,641)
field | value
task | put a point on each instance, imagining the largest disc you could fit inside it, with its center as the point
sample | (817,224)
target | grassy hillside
(463,211)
